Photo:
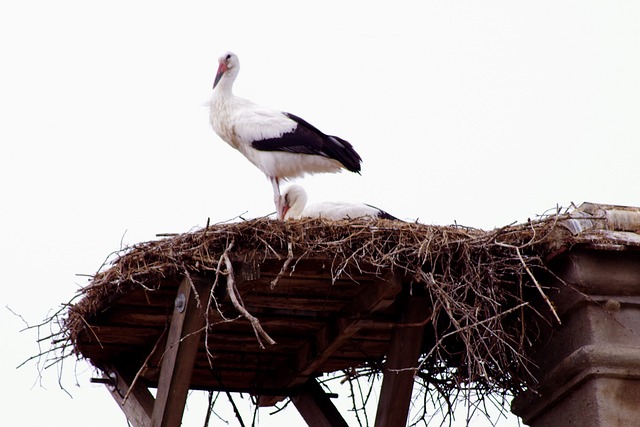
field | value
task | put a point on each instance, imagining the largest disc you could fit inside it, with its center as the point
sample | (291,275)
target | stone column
(589,367)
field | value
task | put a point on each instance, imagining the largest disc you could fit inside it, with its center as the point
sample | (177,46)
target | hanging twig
(235,300)
(193,286)
(285,266)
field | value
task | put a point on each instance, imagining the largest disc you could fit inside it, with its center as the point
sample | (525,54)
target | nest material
(480,284)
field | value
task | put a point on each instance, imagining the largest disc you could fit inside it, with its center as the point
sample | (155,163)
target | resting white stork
(280,144)
(295,200)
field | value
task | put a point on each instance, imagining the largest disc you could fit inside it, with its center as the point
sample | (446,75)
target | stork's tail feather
(332,146)
(343,152)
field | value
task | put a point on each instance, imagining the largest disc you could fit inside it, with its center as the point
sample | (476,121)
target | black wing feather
(307,139)
(382,214)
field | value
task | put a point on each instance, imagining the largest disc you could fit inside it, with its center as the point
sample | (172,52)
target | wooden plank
(317,293)
(127,335)
(364,350)
(399,372)
(306,304)
(295,286)
(301,313)
(187,322)
(139,404)
(162,297)
(315,406)
(250,360)
(128,315)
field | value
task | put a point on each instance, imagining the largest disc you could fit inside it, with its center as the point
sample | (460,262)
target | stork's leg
(277,198)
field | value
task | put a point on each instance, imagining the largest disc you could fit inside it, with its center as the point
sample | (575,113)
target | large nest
(480,285)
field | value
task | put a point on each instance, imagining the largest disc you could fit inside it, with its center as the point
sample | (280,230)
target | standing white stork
(280,144)
(295,207)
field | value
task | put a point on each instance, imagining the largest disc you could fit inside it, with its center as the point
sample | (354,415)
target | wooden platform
(319,326)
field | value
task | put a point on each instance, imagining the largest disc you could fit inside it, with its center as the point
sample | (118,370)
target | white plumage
(280,144)
(295,207)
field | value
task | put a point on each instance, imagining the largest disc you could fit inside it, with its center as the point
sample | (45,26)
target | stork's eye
(228,57)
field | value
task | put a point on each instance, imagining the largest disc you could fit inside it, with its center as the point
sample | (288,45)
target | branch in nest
(193,286)
(233,295)
(285,266)
(526,267)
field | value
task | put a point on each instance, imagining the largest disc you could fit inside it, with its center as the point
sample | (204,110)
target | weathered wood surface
(402,362)
(320,325)
(316,407)
(139,402)
(187,322)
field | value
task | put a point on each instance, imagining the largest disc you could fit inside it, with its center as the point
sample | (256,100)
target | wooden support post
(316,407)
(139,404)
(399,372)
(187,323)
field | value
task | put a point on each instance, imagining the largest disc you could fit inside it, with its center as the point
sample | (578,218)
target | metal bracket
(181,302)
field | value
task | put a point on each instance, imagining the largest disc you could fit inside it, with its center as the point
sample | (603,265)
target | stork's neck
(224,88)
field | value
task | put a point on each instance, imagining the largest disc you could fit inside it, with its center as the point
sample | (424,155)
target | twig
(526,267)
(212,402)
(144,366)
(235,409)
(274,282)
(18,316)
(193,286)
(231,289)
(268,246)
(92,331)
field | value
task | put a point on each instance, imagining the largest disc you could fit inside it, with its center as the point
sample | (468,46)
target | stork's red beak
(222,68)
(285,209)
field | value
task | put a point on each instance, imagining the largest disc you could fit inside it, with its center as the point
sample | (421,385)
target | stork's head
(228,65)
(294,200)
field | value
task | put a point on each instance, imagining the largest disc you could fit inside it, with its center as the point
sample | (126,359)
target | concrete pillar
(589,367)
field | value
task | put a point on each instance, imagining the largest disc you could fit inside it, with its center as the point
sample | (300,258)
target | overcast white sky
(480,113)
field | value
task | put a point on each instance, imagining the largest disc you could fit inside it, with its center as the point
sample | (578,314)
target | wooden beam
(316,407)
(139,404)
(187,323)
(373,298)
(402,359)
